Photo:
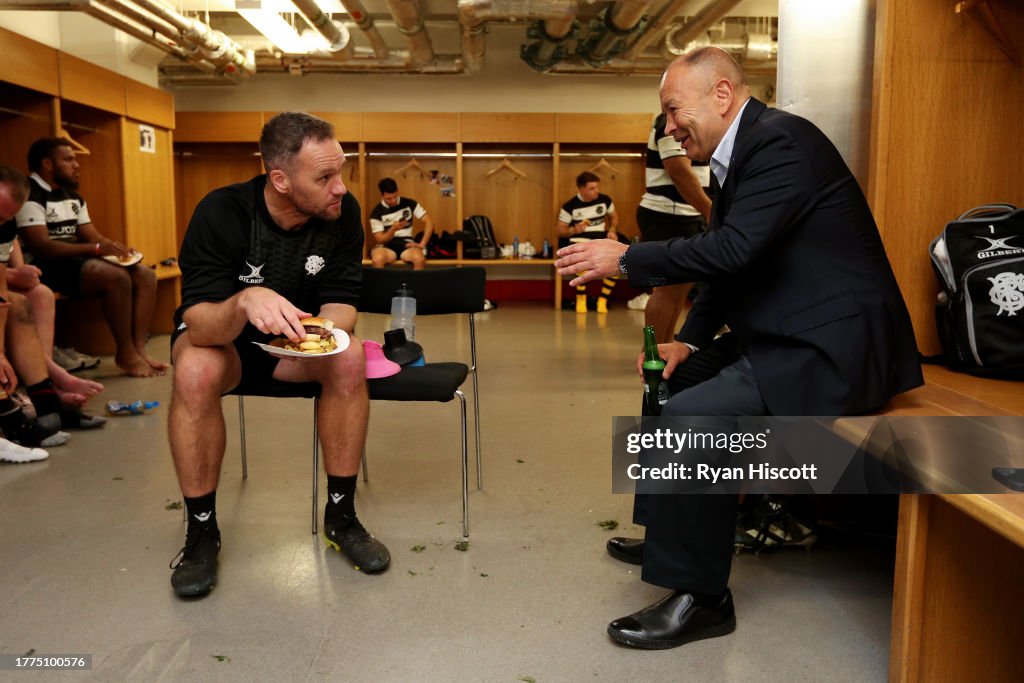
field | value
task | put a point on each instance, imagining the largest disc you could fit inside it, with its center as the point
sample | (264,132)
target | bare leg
(72,390)
(663,310)
(195,421)
(143,302)
(114,285)
(381,256)
(344,404)
(44,310)
(414,255)
(22,343)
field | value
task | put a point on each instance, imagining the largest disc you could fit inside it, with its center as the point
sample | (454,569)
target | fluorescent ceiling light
(282,34)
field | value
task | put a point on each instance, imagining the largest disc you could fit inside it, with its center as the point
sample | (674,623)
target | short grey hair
(17,180)
(283,136)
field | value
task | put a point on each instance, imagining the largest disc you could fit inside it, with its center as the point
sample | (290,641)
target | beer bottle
(655,388)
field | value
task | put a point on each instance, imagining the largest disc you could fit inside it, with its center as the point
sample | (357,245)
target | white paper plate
(132,259)
(340,338)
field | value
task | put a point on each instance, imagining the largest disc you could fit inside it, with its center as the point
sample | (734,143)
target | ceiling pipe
(699,23)
(612,30)
(338,40)
(551,36)
(558,17)
(409,20)
(750,47)
(363,20)
(214,50)
(709,14)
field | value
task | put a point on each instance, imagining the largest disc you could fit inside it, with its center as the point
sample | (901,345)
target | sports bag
(979,260)
(478,238)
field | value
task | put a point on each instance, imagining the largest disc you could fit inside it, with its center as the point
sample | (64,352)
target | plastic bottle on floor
(133,408)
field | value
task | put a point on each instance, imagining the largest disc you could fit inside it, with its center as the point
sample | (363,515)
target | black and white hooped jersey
(661,194)
(596,211)
(8,233)
(383,216)
(60,210)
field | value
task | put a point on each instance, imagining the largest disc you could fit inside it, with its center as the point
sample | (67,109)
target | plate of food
(321,340)
(129,260)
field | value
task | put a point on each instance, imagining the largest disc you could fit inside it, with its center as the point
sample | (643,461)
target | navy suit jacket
(794,265)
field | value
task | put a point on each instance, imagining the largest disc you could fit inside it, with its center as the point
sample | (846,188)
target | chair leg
(316,461)
(465,466)
(476,401)
(241,434)
(366,472)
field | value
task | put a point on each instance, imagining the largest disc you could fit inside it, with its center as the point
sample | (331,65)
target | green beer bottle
(655,388)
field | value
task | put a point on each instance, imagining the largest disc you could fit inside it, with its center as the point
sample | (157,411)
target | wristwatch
(622,264)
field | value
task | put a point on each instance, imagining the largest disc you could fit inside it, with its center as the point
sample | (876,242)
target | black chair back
(437,290)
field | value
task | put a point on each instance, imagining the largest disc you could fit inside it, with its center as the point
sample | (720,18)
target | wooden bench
(81,324)
(958,598)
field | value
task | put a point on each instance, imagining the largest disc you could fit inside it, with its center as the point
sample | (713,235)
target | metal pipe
(213,45)
(336,35)
(620,20)
(363,20)
(699,23)
(409,21)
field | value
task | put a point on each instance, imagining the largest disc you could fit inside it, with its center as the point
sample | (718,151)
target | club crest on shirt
(314,264)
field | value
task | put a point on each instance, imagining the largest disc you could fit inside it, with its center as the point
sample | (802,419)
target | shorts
(63,275)
(257,370)
(657,227)
(396,245)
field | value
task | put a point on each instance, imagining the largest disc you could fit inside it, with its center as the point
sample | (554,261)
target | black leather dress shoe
(627,549)
(673,621)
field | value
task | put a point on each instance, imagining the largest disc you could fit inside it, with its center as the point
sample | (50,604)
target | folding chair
(439,291)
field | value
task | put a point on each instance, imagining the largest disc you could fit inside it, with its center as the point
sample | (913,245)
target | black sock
(202,510)
(44,397)
(707,599)
(12,419)
(341,496)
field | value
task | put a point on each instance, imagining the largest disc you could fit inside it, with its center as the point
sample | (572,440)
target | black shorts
(257,368)
(397,245)
(63,275)
(656,226)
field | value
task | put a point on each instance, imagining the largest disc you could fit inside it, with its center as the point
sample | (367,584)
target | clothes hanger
(413,165)
(603,163)
(506,165)
(75,144)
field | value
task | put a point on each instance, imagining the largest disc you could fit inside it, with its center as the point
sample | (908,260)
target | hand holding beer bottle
(655,388)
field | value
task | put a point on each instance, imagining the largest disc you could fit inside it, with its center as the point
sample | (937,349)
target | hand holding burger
(319,337)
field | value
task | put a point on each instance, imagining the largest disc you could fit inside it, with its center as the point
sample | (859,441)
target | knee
(143,277)
(107,277)
(200,374)
(41,296)
(21,311)
(347,370)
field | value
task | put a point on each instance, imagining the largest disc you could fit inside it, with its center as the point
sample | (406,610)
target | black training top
(233,243)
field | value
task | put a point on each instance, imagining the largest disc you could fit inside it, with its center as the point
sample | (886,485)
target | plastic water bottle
(133,408)
(545,250)
(515,247)
(403,312)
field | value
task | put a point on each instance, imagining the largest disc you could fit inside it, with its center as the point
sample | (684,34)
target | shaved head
(711,64)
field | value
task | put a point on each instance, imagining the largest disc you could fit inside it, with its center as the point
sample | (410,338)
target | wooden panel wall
(603,127)
(516,206)
(147,104)
(200,168)
(148,194)
(28,63)
(947,133)
(102,177)
(19,130)
(409,127)
(228,126)
(86,83)
(506,127)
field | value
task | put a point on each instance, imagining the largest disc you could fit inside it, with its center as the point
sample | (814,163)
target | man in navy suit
(795,267)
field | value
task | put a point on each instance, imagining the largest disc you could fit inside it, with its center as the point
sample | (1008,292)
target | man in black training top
(259,257)
(589,215)
(391,221)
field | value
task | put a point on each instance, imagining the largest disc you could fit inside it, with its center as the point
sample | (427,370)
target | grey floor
(87,536)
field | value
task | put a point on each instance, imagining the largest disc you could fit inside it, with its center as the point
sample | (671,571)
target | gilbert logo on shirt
(254,277)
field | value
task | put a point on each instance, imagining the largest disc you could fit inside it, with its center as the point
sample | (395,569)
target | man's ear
(47,164)
(723,93)
(280,180)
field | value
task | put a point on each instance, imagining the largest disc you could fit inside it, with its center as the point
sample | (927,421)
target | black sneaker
(195,565)
(74,418)
(347,535)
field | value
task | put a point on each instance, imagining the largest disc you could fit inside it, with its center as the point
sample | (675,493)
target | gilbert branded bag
(979,259)
(478,238)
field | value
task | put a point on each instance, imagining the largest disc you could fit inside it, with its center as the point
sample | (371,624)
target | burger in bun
(319,337)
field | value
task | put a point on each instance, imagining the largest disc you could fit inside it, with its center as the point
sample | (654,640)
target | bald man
(795,267)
